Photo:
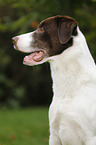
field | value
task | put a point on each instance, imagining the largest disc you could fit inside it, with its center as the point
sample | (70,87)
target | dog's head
(52,37)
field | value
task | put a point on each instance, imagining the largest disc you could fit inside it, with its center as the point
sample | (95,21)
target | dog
(72,113)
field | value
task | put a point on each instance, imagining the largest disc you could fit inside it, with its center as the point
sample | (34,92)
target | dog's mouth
(34,58)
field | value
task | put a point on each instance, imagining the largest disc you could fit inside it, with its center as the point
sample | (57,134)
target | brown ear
(65,29)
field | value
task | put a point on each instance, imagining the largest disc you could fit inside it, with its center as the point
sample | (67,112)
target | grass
(24,127)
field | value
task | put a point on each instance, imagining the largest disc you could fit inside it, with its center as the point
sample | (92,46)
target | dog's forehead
(54,19)
(47,21)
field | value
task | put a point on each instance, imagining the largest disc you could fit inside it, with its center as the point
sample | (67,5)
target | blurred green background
(23,86)
(28,87)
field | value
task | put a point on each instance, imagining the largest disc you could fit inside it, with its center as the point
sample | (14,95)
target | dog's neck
(71,68)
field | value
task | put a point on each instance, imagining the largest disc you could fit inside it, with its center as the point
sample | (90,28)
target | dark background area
(24,86)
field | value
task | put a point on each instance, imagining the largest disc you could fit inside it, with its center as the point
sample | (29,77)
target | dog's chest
(59,108)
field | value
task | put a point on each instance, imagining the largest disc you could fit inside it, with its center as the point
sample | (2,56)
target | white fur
(72,114)
(24,42)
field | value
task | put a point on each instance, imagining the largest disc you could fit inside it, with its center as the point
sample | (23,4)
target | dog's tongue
(35,56)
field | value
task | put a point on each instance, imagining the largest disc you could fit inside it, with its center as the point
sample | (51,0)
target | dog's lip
(34,57)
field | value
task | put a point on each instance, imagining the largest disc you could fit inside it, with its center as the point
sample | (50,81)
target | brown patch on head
(54,34)
(66,28)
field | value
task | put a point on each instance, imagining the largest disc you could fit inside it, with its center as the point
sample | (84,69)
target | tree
(22,85)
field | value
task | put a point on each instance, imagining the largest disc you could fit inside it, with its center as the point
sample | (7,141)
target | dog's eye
(41,29)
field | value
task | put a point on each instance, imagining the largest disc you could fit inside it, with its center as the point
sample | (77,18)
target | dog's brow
(45,22)
(41,24)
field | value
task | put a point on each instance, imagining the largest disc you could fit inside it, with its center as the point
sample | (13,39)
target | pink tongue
(36,56)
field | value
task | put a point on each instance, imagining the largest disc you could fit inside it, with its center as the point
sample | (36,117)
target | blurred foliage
(22,85)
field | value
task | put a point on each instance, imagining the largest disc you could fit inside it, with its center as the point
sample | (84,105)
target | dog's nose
(14,40)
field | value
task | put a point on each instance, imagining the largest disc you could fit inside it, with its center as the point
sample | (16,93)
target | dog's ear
(66,28)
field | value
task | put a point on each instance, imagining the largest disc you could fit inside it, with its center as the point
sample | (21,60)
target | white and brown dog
(72,114)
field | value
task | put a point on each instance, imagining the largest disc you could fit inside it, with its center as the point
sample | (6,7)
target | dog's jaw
(35,58)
